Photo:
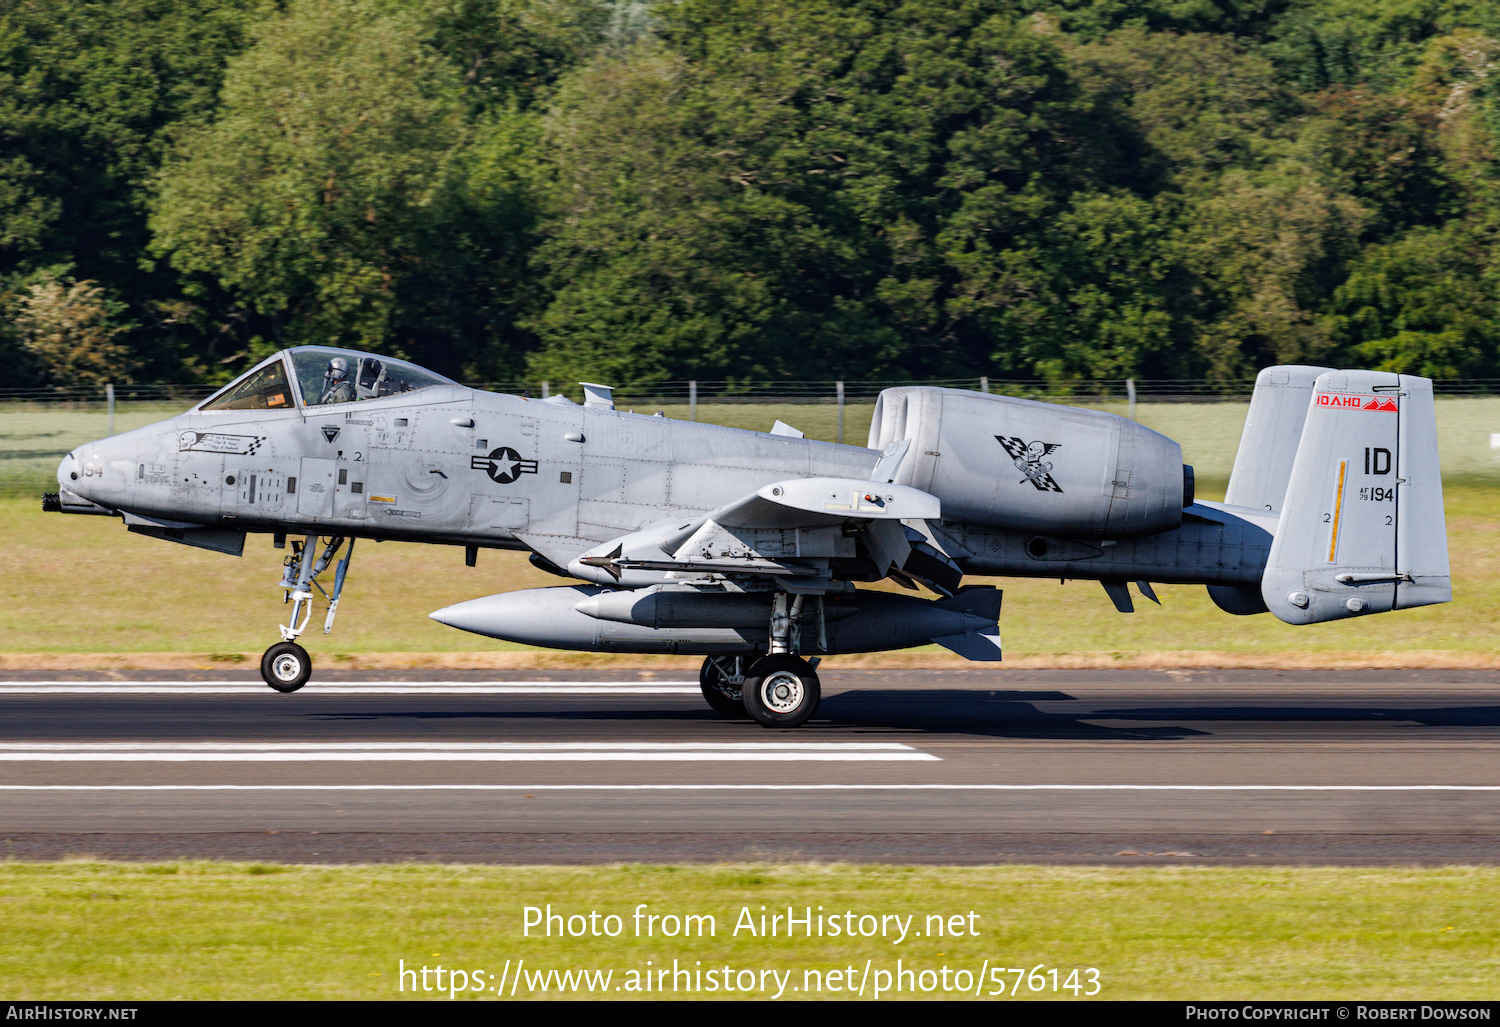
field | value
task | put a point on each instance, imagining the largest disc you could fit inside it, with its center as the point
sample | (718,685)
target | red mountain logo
(1380,404)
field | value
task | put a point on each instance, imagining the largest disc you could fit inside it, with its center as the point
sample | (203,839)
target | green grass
(34,437)
(85,585)
(237,931)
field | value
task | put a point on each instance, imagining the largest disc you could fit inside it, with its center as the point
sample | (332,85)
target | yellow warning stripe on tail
(1338,511)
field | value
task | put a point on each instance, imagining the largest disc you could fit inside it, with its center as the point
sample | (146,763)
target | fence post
(984,385)
(109,397)
(840,389)
(693,400)
(546,389)
(1130,394)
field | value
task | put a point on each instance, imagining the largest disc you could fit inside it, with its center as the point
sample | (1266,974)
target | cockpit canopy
(321,376)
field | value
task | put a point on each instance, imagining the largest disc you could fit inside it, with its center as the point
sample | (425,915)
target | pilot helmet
(338,369)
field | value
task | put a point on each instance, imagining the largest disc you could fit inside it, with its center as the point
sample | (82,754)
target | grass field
(85,585)
(82,585)
(88,930)
(84,930)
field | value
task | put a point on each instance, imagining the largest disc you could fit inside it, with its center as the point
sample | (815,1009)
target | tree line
(628,191)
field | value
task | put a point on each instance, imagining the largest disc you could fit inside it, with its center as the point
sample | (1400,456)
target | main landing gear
(779,690)
(286,665)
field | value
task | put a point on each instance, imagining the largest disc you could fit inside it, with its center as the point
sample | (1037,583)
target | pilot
(337,388)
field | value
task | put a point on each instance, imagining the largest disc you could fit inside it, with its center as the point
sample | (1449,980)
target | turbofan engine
(1026,466)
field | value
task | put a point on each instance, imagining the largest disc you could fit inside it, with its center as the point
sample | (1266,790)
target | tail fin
(1362,527)
(1273,430)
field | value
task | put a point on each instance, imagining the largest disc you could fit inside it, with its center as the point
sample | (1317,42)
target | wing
(790,531)
(809,502)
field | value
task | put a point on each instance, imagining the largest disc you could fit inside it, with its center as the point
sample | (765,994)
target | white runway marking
(366,688)
(459,752)
(747,788)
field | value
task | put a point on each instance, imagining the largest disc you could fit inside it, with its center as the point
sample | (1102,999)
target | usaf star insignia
(503,465)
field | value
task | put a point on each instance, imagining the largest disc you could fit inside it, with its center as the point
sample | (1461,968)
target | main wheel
(781,691)
(724,697)
(286,666)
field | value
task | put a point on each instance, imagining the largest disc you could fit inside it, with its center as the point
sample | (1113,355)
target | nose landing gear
(286,666)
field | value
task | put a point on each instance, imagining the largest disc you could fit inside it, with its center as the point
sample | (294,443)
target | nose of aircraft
(68,472)
(97,471)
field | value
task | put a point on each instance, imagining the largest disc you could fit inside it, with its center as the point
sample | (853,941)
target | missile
(589,618)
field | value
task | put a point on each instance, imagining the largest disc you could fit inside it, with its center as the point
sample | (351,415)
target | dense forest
(629,191)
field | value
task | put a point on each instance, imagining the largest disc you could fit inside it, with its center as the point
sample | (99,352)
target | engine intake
(1026,466)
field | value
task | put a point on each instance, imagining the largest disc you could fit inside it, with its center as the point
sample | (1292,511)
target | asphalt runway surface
(971,766)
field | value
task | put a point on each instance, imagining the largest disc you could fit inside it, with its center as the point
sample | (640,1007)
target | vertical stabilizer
(1362,527)
(1273,430)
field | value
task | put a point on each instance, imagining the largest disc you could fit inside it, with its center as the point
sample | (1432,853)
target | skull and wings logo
(1027,456)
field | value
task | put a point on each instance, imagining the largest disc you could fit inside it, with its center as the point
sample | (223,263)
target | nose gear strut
(286,666)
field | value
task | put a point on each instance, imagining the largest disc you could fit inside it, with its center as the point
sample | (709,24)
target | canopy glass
(326,376)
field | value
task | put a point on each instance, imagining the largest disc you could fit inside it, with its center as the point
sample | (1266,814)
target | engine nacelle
(1027,466)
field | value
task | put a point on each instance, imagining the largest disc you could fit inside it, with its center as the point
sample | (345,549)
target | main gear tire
(726,699)
(286,666)
(781,691)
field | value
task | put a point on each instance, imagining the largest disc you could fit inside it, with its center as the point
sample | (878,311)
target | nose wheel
(781,690)
(286,666)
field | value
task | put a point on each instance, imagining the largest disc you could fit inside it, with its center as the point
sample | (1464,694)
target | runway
(965,766)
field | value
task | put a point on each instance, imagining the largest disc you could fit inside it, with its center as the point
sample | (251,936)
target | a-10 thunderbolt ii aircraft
(748,548)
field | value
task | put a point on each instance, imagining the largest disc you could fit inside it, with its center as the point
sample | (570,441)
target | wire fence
(1072,390)
(38,427)
(776,392)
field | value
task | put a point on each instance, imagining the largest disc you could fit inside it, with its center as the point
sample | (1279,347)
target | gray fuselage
(453,465)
